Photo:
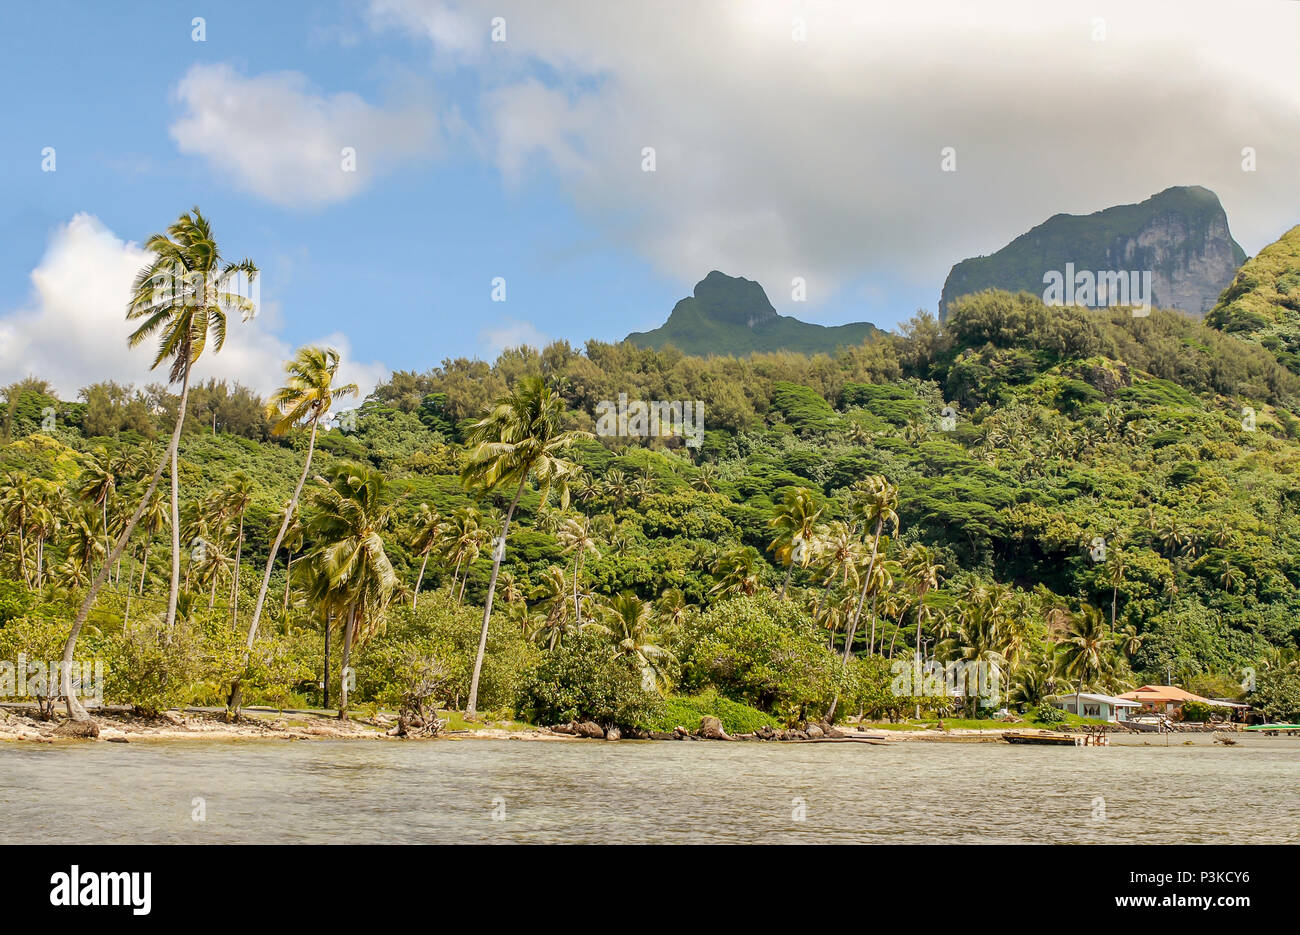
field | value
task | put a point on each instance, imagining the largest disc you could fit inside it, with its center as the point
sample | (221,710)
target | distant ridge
(732,315)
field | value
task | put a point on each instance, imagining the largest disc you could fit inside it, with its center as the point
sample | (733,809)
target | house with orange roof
(1169,699)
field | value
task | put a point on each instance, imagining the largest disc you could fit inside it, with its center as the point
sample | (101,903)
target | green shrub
(1048,714)
(686,710)
(580,680)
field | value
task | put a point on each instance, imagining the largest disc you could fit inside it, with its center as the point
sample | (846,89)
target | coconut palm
(426,534)
(1082,653)
(352,513)
(873,504)
(628,619)
(705,479)
(519,437)
(305,398)
(19,499)
(184,296)
(153,520)
(85,545)
(923,570)
(738,571)
(579,539)
(463,540)
(98,481)
(794,519)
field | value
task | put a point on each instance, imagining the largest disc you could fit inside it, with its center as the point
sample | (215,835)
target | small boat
(1043,737)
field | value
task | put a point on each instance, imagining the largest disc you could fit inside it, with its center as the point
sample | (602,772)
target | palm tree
(1083,651)
(426,534)
(873,503)
(980,639)
(86,545)
(99,479)
(352,513)
(237,496)
(794,520)
(1118,569)
(154,519)
(629,621)
(305,399)
(184,295)
(705,479)
(923,570)
(577,537)
(738,571)
(520,436)
(462,542)
(20,497)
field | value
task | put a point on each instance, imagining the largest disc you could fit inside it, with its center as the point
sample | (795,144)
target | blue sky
(776,156)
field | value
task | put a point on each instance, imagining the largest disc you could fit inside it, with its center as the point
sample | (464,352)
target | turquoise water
(496,791)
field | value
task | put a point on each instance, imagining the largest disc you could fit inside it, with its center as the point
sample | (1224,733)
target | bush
(1198,711)
(1048,714)
(764,652)
(151,669)
(580,680)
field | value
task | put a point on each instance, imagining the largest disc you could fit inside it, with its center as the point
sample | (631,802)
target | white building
(1104,707)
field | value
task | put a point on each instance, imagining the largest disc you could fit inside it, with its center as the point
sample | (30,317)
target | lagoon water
(512,791)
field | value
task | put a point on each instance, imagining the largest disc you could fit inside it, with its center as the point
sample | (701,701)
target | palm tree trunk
(144,565)
(497,555)
(871,646)
(325,680)
(76,712)
(786,583)
(174,590)
(234,583)
(577,607)
(1114,598)
(415,595)
(347,656)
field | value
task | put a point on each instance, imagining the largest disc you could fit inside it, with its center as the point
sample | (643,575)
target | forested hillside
(1031,477)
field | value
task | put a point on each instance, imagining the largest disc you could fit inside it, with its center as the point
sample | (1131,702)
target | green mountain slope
(1181,235)
(1263,302)
(732,315)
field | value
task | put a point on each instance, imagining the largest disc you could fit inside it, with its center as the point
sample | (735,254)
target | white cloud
(507,333)
(821,158)
(275,137)
(73,332)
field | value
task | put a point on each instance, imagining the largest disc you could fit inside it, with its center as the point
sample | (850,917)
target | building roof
(1120,702)
(1162,694)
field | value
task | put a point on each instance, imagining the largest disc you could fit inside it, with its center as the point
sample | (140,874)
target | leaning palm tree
(352,512)
(794,520)
(183,295)
(462,541)
(304,400)
(426,533)
(519,437)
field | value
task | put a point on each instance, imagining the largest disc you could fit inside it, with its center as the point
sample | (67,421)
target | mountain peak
(733,300)
(1180,234)
(732,315)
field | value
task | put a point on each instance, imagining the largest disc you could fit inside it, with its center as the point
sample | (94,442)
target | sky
(396,168)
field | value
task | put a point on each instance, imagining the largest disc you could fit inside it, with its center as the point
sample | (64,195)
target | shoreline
(21,726)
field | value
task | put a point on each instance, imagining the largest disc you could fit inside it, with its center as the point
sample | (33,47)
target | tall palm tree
(794,520)
(520,436)
(305,399)
(184,295)
(20,499)
(1118,569)
(86,546)
(152,522)
(352,513)
(426,534)
(578,539)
